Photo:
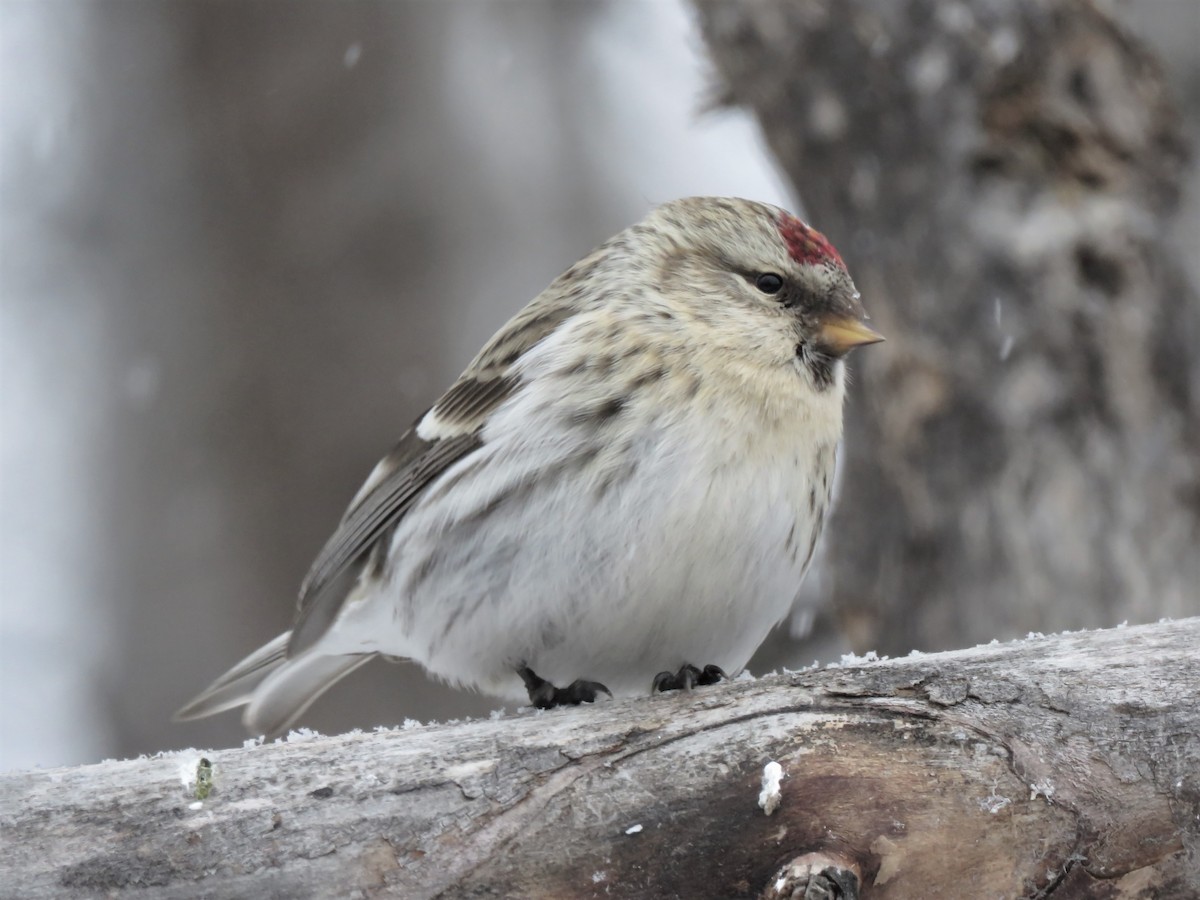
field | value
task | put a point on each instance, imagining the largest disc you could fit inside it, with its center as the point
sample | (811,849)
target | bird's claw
(688,677)
(544,695)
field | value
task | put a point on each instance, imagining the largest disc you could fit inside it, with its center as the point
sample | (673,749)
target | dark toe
(581,691)
(683,680)
(688,677)
(664,681)
(541,692)
(544,695)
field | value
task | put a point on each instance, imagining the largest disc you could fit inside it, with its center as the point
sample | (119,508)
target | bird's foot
(688,677)
(544,695)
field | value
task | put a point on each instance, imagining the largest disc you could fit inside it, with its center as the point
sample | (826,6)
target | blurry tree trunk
(1067,765)
(1024,452)
(270,203)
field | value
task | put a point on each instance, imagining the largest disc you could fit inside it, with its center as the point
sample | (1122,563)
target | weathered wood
(1065,766)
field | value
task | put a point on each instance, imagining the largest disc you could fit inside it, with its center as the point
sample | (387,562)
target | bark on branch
(1064,766)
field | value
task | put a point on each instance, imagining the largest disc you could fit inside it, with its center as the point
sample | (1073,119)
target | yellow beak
(841,334)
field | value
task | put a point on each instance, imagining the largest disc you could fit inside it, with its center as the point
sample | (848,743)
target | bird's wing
(451,431)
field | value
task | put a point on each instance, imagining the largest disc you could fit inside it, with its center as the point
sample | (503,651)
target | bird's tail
(274,689)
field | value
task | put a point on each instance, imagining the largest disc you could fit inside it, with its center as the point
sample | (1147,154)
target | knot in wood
(815,876)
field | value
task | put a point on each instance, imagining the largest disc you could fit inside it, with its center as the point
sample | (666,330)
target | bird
(620,495)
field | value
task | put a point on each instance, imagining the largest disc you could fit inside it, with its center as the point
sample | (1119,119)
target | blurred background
(244,244)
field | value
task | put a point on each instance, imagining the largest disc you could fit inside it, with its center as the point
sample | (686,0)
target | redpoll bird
(620,494)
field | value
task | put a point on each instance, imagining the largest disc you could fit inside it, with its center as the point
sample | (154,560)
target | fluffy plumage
(630,476)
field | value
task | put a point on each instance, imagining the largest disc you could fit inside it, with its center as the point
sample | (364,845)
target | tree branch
(1061,764)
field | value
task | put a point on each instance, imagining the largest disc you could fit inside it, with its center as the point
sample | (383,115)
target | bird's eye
(769,283)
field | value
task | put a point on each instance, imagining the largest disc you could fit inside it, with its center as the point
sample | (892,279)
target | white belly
(689,556)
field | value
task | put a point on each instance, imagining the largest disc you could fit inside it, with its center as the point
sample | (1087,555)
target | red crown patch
(807,245)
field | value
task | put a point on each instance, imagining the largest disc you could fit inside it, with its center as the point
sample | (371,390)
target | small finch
(621,493)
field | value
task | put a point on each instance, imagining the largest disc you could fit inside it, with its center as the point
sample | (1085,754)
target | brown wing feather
(418,463)
(415,463)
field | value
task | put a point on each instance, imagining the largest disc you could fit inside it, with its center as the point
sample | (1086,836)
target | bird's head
(764,281)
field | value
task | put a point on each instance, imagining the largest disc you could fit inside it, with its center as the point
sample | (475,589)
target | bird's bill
(841,334)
